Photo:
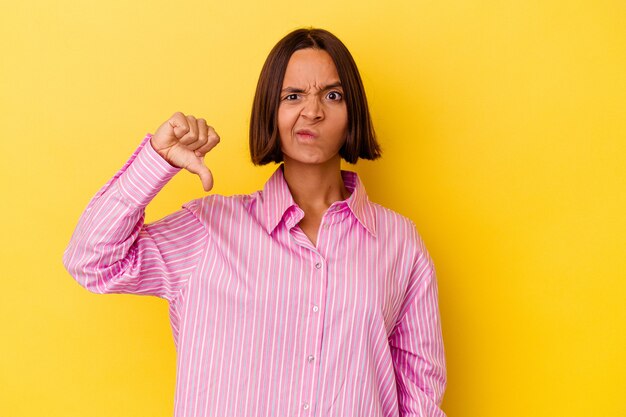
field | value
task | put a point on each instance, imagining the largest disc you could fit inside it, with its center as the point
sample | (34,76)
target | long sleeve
(417,345)
(113,251)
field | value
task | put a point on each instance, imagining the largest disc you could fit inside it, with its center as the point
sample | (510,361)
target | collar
(276,200)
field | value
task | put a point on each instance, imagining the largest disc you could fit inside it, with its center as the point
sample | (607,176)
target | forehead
(310,66)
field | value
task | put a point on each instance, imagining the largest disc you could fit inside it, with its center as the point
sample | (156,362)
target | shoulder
(395,228)
(214,207)
(390,222)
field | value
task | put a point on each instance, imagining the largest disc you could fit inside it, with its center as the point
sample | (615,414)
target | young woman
(304,298)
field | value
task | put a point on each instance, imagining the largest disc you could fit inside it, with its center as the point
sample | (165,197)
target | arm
(112,250)
(417,345)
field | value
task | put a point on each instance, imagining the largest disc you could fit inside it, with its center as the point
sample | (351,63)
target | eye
(334,96)
(290,97)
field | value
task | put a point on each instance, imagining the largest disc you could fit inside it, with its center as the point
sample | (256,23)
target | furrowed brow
(300,90)
(333,85)
(292,90)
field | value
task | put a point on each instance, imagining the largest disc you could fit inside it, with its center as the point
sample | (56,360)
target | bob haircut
(264,136)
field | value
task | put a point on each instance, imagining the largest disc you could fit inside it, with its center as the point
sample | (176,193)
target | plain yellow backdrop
(503,125)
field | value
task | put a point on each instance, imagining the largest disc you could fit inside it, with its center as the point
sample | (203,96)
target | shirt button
(318,265)
(315,309)
(325,227)
(305,406)
(311,358)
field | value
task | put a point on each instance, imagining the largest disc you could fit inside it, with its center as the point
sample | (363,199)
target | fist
(183,141)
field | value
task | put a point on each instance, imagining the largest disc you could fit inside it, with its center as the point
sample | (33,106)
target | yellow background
(503,125)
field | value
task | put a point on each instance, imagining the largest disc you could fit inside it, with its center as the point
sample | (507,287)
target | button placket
(311,354)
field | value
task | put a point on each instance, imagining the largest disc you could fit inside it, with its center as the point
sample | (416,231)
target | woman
(304,298)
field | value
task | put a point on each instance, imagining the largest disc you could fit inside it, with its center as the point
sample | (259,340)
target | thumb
(198,167)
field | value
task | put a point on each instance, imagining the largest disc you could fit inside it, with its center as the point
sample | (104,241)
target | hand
(183,141)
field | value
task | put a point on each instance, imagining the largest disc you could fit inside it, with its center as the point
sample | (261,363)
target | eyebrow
(299,90)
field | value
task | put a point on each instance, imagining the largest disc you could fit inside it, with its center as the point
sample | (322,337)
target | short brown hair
(264,136)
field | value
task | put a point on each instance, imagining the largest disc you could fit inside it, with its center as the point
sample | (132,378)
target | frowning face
(312,115)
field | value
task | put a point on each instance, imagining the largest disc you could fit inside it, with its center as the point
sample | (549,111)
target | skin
(312,123)
(312,100)
(183,141)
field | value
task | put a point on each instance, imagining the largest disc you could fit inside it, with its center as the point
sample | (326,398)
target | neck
(315,187)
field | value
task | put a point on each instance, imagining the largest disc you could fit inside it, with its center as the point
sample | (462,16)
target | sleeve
(113,251)
(417,344)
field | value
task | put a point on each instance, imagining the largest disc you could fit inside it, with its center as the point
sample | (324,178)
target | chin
(309,159)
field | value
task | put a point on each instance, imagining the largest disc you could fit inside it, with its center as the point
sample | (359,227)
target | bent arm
(113,251)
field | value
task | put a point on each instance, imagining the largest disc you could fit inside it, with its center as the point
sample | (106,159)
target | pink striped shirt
(265,323)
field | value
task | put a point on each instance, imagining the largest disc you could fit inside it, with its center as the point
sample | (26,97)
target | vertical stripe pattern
(266,323)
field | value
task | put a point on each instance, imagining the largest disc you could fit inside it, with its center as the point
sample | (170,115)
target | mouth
(306,134)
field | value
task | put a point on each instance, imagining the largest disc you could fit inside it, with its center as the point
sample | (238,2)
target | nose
(313,109)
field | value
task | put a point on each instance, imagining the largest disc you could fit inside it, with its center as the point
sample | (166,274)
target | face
(312,115)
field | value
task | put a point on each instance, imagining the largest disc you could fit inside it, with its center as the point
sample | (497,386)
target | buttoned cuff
(146,175)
